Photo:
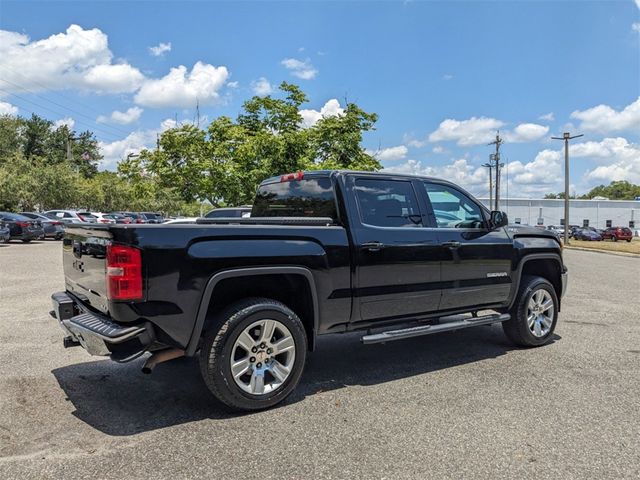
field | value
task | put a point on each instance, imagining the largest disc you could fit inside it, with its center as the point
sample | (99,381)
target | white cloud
(114,152)
(68,121)
(180,88)
(330,109)
(447,76)
(617,158)
(261,87)
(526,132)
(458,171)
(233,84)
(604,119)
(549,117)
(124,118)
(638,3)
(301,69)
(390,154)
(160,49)
(8,109)
(544,169)
(77,58)
(474,131)
(635,27)
(438,149)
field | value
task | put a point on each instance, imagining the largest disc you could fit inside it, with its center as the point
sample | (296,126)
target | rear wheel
(253,356)
(614,238)
(26,241)
(628,239)
(534,314)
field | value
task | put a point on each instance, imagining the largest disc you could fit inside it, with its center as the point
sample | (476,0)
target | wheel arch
(545,265)
(226,282)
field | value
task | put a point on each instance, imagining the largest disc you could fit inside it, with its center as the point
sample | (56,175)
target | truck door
(476,262)
(397,268)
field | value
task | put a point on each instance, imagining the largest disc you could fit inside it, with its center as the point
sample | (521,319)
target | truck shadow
(119,400)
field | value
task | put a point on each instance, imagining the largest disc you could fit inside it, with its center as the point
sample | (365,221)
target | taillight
(124,273)
(292,176)
(104,220)
(23,224)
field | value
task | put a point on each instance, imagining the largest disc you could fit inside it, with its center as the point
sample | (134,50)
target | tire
(222,345)
(26,241)
(614,238)
(518,329)
(628,240)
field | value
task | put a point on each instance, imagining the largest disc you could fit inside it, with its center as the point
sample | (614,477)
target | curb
(608,252)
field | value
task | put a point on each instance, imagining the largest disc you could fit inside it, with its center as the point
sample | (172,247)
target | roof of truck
(327,173)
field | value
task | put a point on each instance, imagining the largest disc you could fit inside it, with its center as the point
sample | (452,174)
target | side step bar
(456,323)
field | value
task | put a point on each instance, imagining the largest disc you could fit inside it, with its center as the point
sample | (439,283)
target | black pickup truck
(323,252)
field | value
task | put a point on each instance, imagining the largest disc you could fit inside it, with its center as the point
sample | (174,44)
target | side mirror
(497,220)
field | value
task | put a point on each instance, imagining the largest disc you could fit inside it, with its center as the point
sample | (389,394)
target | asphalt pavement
(464,404)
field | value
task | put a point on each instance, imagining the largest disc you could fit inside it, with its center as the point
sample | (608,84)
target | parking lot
(457,405)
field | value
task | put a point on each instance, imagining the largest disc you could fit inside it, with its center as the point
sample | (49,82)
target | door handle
(372,246)
(451,244)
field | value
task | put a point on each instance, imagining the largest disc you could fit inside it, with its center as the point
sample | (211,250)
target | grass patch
(609,246)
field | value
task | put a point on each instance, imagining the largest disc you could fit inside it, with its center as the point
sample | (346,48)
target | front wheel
(614,238)
(26,241)
(253,356)
(534,314)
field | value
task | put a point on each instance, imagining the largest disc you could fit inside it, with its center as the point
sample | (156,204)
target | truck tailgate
(84,261)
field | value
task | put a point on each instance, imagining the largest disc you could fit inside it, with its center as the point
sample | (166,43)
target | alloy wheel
(262,357)
(540,311)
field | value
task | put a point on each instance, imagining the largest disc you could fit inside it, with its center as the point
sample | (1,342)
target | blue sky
(442,76)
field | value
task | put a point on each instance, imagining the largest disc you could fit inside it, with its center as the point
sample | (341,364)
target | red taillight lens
(124,273)
(104,220)
(23,224)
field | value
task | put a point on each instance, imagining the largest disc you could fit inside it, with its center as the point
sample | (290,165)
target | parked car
(134,216)
(618,233)
(587,234)
(323,252)
(557,229)
(103,217)
(70,216)
(21,227)
(230,212)
(52,228)
(152,217)
(118,218)
(5,233)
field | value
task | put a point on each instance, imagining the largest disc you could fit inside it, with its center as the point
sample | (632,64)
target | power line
(62,114)
(44,87)
(73,112)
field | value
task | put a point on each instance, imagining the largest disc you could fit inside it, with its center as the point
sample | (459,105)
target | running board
(447,326)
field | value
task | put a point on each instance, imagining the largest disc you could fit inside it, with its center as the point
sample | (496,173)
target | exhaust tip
(147,370)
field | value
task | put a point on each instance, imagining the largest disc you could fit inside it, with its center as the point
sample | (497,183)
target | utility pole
(490,167)
(496,156)
(566,136)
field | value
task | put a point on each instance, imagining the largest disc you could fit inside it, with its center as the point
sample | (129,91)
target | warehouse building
(586,213)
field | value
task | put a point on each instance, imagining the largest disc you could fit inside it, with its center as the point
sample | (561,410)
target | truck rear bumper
(99,334)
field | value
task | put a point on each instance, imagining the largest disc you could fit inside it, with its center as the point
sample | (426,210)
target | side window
(65,215)
(453,209)
(387,203)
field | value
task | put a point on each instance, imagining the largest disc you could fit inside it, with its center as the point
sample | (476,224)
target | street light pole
(566,136)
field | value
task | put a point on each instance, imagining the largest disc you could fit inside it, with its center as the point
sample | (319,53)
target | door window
(387,203)
(452,208)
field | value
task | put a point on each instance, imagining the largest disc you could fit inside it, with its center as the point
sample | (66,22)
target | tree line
(616,190)
(44,166)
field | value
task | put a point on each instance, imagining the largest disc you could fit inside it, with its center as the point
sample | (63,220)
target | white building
(586,213)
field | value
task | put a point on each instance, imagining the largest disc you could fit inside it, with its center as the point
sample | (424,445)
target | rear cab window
(308,196)
(387,203)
